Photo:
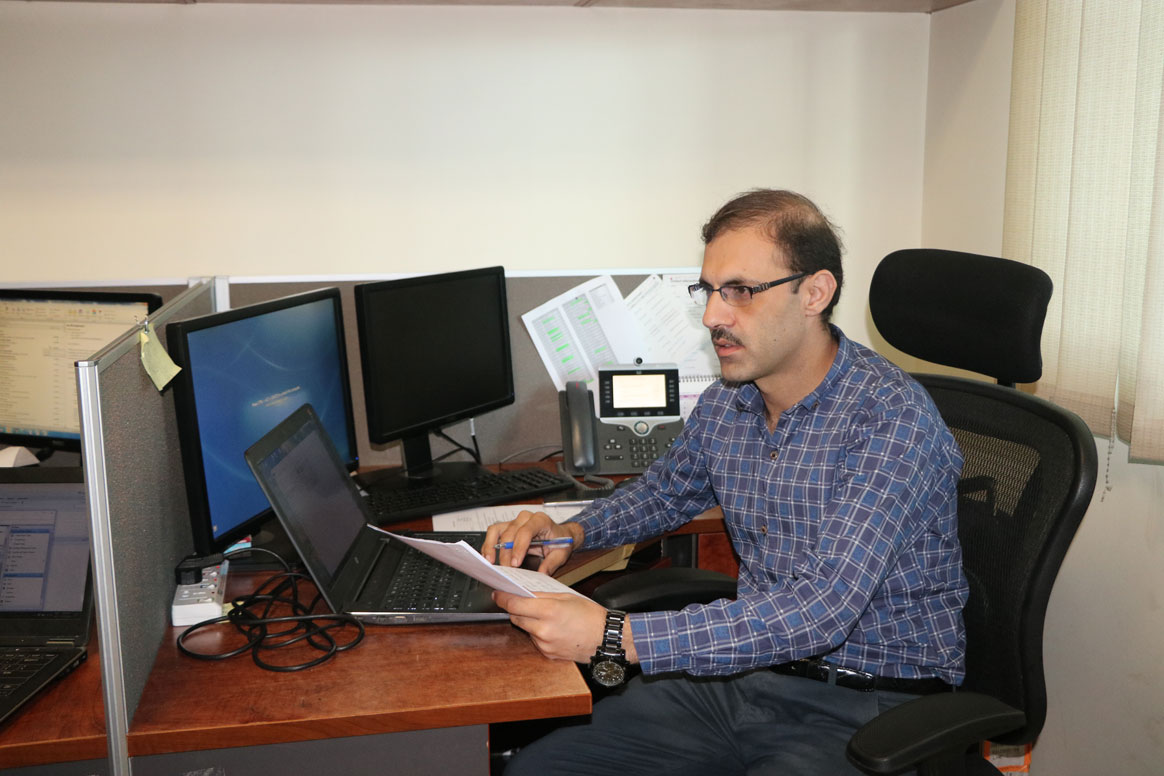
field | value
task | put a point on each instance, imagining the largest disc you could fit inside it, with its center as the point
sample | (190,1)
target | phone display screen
(638,392)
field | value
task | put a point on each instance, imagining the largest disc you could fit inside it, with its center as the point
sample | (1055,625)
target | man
(837,480)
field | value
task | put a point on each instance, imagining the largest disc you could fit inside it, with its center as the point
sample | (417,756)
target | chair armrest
(930,729)
(664,589)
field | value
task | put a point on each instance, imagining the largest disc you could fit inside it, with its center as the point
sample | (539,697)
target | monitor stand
(419,470)
(401,479)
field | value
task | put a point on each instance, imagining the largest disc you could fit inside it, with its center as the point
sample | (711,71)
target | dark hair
(793,223)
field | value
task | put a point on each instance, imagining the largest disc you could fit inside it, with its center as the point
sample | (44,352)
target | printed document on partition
(665,321)
(463,558)
(587,327)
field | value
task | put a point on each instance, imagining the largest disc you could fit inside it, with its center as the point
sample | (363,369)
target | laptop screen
(44,547)
(311,491)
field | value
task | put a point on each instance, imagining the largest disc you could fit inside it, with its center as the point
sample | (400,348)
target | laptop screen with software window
(44,547)
(310,489)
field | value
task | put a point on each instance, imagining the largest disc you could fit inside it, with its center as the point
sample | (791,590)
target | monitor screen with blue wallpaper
(244,371)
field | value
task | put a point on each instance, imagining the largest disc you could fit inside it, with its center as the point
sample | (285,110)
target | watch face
(608,673)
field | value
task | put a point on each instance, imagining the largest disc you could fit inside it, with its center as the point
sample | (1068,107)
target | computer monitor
(42,335)
(434,350)
(244,371)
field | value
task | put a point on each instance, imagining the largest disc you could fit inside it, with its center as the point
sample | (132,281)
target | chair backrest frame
(1030,473)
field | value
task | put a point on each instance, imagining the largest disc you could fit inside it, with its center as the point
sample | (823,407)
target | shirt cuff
(656,642)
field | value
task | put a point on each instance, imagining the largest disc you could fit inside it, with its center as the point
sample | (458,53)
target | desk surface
(400,678)
(64,723)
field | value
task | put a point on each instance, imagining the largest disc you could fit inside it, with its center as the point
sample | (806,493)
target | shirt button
(774,454)
(764,530)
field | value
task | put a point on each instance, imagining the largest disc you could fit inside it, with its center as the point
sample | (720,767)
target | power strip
(200,601)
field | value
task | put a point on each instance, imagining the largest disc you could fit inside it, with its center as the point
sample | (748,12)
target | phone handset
(579,427)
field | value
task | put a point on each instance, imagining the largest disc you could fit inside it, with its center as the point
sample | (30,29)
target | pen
(538,543)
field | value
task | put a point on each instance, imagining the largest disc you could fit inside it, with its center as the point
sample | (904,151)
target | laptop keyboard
(486,488)
(18,667)
(424,584)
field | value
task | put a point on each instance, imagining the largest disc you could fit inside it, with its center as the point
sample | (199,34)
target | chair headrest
(980,313)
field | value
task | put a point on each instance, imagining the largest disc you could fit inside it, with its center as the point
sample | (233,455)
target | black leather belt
(822,671)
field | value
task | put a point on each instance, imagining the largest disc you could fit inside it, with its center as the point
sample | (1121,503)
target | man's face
(764,338)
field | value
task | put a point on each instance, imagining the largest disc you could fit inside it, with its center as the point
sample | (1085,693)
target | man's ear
(817,291)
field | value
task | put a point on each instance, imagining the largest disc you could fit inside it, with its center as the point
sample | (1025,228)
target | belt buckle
(853,679)
(835,675)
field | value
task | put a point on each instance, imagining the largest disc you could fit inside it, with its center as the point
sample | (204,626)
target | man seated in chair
(837,479)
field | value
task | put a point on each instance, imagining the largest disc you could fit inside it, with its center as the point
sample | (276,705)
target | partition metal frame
(94,462)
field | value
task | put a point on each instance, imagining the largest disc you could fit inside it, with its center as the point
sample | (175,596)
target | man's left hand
(562,626)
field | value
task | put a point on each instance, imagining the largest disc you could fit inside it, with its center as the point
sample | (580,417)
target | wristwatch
(608,666)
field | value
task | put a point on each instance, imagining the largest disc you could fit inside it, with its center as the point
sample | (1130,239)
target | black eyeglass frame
(705,290)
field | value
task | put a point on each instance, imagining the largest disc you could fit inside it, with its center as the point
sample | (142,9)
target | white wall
(1105,632)
(967,116)
(1104,639)
(172,140)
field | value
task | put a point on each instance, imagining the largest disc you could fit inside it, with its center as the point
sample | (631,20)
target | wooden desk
(401,678)
(64,723)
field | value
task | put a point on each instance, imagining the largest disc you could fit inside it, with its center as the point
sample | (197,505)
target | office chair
(1030,470)
(1028,477)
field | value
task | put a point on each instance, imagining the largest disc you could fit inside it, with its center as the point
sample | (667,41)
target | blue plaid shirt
(844,519)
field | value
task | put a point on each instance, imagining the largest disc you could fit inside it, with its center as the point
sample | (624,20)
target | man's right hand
(527,527)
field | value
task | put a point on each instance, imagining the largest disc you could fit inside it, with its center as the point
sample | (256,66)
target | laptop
(46,594)
(357,569)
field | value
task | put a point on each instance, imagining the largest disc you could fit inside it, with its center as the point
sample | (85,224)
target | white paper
(700,367)
(587,327)
(670,335)
(480,518)
(464,558)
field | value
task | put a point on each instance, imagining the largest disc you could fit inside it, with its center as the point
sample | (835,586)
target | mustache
(720,334)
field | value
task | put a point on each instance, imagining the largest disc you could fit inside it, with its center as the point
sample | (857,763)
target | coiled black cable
(252,616)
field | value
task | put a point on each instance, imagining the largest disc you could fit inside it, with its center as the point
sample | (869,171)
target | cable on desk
(248,550)
(557,448)
(251,616)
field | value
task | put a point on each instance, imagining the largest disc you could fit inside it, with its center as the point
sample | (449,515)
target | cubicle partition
(137,506)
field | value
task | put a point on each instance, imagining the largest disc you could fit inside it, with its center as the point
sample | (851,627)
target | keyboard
(486,487)
(18,667)
(422,583)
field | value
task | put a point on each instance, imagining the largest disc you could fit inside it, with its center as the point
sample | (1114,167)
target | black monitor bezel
(67,444)
(378,433)
(186,411)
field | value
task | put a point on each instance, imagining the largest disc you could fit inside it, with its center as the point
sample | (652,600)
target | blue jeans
(753,723)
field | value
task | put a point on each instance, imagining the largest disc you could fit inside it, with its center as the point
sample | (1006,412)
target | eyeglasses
(736,296)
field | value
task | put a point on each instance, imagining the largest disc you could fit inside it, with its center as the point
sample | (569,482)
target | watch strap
(611,645)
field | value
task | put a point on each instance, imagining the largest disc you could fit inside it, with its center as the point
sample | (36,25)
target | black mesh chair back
(1028,477)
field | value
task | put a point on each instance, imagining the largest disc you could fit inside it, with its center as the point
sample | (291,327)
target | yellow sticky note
(157,362)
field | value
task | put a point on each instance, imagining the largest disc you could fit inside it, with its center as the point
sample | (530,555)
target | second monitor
(434,349)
